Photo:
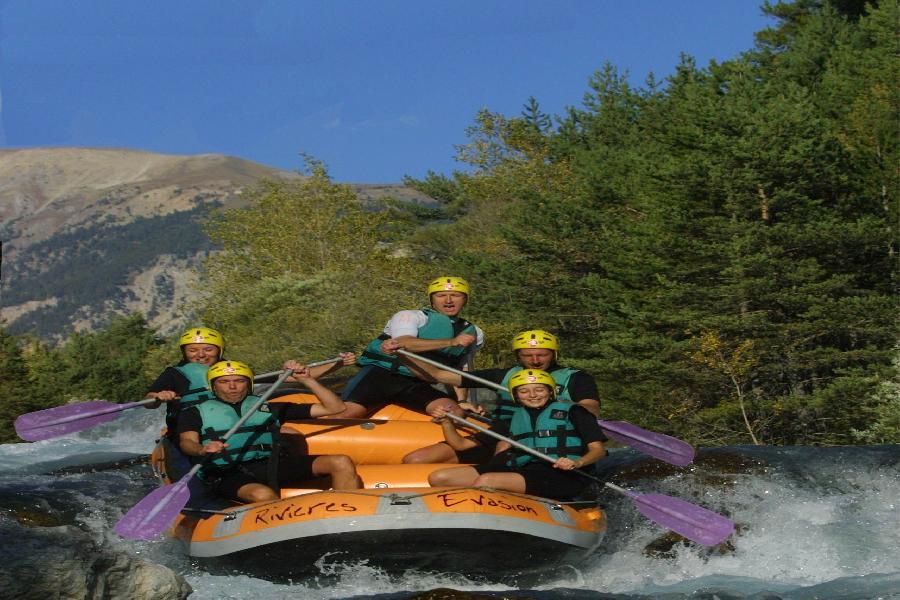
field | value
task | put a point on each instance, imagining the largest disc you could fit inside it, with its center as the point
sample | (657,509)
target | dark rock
(665,546)
(66,562)
(451,594)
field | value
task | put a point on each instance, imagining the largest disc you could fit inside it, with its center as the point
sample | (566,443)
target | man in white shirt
(437,332)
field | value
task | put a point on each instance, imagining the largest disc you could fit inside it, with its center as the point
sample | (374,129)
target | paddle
(71,418)
(658,445)
(689,520)
(319,363)
(58,421)
(152,515)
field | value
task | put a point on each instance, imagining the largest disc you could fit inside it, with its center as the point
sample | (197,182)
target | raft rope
(393,497)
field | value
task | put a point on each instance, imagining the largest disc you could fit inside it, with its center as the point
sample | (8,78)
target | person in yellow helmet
(184,385)
(566,432)
(437,331)
(250,466)
(534,349)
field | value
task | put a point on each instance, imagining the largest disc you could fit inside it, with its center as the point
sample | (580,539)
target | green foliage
(107,364)
(720,250)
(882,425)
(748,198)
(306,271)
(15,391)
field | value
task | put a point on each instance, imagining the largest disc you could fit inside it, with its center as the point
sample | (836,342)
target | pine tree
(107,364)
(306,271)
(15,391)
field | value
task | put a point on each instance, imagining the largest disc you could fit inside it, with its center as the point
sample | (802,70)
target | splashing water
(812,523)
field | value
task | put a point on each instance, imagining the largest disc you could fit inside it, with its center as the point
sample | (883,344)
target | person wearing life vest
(250,466)
(534,349)
(437,331)
(184,385)
(566,432)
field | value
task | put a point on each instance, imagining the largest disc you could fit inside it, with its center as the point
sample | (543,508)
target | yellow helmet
(448,284)
(531,376)
(203,335)
(228,367)
(536,338)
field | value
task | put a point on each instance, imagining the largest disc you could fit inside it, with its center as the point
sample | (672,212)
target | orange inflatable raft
(396,522)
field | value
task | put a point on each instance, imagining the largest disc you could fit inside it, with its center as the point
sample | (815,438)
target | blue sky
(375,89)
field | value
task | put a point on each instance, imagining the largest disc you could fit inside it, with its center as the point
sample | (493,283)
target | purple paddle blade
(153,515)
(658,445)
(693,522)
(60,420)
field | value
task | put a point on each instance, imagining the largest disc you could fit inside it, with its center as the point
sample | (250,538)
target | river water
(812,523)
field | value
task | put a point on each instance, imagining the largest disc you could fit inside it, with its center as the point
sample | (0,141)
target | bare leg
(511,482)
(256,492)
(447,403)
(435,453)
(341,470)
(452,476)
(352,411)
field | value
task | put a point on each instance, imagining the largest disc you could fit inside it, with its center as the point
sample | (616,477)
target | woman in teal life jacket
(533,349)
(183,385)
(436,331)
(250,466)
(566,432)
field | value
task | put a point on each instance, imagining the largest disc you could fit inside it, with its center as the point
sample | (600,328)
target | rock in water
(65,562)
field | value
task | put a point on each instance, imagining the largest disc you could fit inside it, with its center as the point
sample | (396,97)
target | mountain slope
(90,232)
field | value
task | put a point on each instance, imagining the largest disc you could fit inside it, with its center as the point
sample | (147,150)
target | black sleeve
(582,387)
(494,375)
(288,411)
(189,420)
(586,425)
(499,427)
(170,380)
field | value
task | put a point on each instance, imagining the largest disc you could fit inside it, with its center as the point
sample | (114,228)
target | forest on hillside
(719,248)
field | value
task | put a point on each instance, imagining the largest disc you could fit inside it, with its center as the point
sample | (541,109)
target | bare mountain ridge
(91,232)
(45,190)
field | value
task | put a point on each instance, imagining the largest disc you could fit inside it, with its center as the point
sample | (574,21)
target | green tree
(306,271)
(15,389)
(732,201)
(107,364)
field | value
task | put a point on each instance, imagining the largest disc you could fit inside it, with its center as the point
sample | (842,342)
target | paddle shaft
(112,407)
(262,399)
(694,522)
(518,445)
(103,411)
(182,483)
(312,364)
(444,367)
(658,445)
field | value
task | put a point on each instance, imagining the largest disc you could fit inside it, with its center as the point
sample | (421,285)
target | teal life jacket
(438,327)
(198,389)
(506,406)
(252,441)
(551,433)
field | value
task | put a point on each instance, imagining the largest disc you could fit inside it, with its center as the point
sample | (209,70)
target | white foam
(133,432)
(807,524)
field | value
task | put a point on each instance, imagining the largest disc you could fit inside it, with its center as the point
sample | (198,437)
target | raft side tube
(335,512)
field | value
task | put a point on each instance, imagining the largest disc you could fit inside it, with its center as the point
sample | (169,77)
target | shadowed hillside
(88,233)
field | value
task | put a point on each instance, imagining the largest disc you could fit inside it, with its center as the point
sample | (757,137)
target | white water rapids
(812,523)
